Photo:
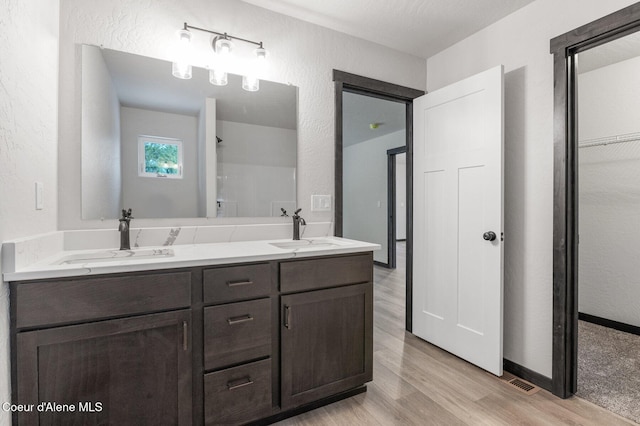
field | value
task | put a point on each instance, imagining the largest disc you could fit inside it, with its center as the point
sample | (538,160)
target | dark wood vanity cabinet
(326,327)
(214,345)
(68,349)
(131,371)
(326,343)
(238,343)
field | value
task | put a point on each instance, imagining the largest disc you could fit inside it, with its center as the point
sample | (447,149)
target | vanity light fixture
(223,46)
(181,68)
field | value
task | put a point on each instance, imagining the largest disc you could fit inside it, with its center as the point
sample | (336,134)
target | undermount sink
(308,244)
(114,256)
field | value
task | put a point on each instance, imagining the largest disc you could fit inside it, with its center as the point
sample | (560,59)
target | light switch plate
(321,203)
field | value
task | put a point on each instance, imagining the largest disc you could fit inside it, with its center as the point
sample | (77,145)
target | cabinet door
(131,371)
(327,344)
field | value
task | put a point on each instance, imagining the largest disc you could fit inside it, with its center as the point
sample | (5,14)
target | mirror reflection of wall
(371,126)
(237,149)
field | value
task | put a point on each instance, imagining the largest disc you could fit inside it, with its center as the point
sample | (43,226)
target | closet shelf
(609,140)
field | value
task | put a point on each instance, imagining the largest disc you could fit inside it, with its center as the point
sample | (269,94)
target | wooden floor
(415,383)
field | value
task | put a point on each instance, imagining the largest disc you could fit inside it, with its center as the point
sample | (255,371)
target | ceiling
(419,27)
(143,82)
(360,111)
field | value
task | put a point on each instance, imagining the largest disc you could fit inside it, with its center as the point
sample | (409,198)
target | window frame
(142,140)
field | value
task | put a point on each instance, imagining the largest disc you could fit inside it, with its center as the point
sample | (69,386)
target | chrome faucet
(297,221)
(125,243)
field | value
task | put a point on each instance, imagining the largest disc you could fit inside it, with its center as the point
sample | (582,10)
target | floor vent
(522,385)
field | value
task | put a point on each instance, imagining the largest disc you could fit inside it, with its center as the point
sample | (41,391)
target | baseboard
(382,265)
(308,407)
(529,375)
(620,326)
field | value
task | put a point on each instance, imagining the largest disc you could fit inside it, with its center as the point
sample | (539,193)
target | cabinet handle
(243,382)
(238,320)
(185,341)
(287,317)
(238,283)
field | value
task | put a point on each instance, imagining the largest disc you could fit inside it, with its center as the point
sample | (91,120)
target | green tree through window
(160,158)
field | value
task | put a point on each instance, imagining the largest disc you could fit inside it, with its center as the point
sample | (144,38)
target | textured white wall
(28,128)
(300,53)
(101,190)
(521,43)
(609,271)
(364,179)
(159,197)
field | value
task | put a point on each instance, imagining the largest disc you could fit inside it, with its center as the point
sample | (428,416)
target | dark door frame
(391,204)
(353,83)
(565,187)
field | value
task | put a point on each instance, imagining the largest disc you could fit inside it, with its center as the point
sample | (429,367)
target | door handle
(489,236)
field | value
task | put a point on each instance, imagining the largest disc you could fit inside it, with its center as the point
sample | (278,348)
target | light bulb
(261,54)
(222,45)
(184,36)
(181,68)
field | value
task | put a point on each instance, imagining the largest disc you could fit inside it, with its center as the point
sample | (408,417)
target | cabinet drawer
(236,283)
(48,303)
(238,395)
(236,332)
(300,275)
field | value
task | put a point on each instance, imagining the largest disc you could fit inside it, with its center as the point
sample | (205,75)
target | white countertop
(181,256)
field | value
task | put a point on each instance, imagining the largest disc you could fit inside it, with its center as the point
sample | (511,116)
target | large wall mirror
(174,148)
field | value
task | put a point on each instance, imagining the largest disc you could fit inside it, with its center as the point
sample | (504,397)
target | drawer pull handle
(239,320)
(243,382)
(239,283)
(287,317)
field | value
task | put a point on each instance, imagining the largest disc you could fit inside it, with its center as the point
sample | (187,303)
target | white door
(458,203)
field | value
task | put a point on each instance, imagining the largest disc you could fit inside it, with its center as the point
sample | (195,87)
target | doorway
(349,86)
(371,128)
(609,225)
(576,163)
